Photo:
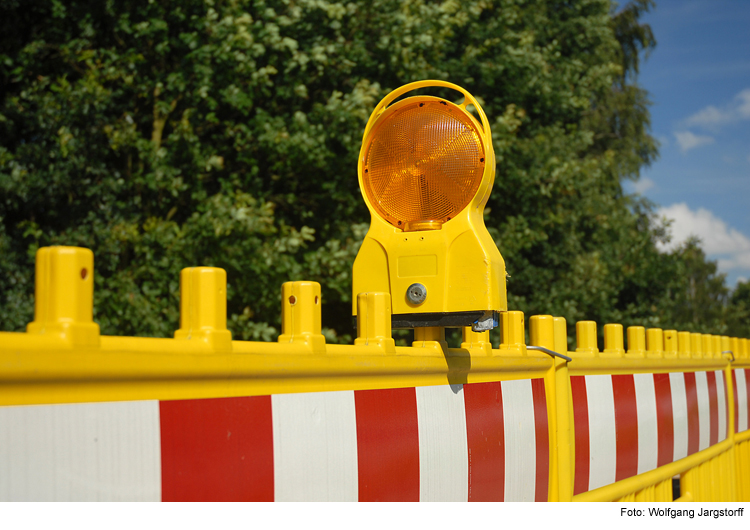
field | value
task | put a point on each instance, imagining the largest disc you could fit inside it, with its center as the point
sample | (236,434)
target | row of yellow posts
(62,358)
(64,310)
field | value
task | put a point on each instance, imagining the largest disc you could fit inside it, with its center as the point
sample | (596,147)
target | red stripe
(736,407)
(664,419)
(387,444)
(691,396)
(713,409)
(486,441)
(542,440)
(626,426)
(581,425)
(217,449)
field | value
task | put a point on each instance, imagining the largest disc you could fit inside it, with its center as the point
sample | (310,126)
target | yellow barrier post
(430,341)
(684,344)
(203,307)
(671,344)
(655,343)
(708,346)
(561,335)
(726,347)
(512,334)
(374,321)
(613,341)
(718,346)
(476,341)
(64,296)
(636,342)
(586,339)
(564,402)
(301,315)
(696,346)
(731,490)
(543,331)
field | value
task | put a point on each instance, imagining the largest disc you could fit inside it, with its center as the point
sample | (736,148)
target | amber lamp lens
(424,162)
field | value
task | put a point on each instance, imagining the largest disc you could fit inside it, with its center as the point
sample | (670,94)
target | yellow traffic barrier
(646,416)
(204,417)
(741,383)
(143,396)
(609,424)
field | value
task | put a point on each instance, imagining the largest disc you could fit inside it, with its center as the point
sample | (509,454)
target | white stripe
(721,398)
(704,410)
(315,446)
(520,440)
(679,414)
(81,452)
(741,393)
(648,439)
(602,444)
(443,450)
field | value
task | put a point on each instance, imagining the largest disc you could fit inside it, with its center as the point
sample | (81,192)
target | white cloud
(743,108)
(730,247)
(710,118)
(642,185)
(713,118)
(688,140)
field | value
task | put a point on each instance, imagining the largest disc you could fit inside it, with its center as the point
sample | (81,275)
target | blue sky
(699,81)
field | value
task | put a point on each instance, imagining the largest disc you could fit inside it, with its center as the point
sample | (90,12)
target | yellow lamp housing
(426,169)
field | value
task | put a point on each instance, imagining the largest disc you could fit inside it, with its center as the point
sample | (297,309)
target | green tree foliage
(226,133)
(738,317)
(698,293)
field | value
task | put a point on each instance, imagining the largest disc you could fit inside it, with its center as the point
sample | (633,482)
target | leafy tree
(226,133)
(738,311)
(698,292)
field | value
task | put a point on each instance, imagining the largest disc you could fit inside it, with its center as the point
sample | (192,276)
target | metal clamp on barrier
(549,352)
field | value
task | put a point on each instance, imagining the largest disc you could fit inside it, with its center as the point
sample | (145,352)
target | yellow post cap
(586,342)
(301,315)
(374,321)
(203,307)
(636,341)
(64,295)
(614,340)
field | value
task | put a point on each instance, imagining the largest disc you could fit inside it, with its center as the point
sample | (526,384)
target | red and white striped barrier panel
(476,442)
(741,382)
(629,424)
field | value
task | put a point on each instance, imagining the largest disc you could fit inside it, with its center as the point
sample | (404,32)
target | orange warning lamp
(426,168)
